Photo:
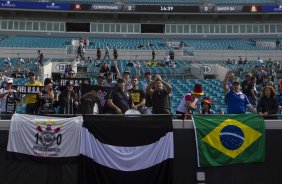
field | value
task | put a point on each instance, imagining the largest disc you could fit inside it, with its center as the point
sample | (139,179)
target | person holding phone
(46,99)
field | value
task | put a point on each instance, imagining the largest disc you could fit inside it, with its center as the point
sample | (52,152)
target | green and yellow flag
(229,139)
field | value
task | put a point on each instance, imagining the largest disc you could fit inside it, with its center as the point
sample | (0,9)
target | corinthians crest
(47,137)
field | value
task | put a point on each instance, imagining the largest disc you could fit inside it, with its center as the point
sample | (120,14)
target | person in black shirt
(68,100)
(153,55)
(98,54)
(115,54)
(160,96)
(46,99)
(138,96)
(120,100)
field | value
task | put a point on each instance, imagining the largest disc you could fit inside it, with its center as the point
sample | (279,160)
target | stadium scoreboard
(139,8)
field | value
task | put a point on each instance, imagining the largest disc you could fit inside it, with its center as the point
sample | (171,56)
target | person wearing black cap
(31,98)
(68,100)
(46,99)
(120,99)
(237,102)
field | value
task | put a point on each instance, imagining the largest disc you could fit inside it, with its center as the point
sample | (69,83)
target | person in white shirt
(189,102)
(8,98)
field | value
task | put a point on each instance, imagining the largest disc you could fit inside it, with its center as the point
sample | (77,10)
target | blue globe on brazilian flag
(229,139)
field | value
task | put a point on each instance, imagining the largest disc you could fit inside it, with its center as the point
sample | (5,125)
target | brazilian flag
(229,139)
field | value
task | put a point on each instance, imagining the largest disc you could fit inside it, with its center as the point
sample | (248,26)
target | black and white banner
(126,150)
(44,139)
(75,81)
(29,89)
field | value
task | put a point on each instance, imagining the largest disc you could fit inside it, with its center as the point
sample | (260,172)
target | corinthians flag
(44,139)
(126,150)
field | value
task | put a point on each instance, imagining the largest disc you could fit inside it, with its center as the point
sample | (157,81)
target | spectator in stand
(31,98)
(110,82)
(245,83)
(228,62)
(120,99)
(277,44)
(115,53)
(115,70)
(160,96)
(68,100)
(126,76)
(171,55)
(21,61)
(246,61)
(107,53)
(268,81)
(128,83)
(153,55)
(98,54)
(268,104)
(138,96)
(240,61)
(252,91)
(8,98)
(105,68)
(260,75)
(18,74)
(46,99)
(148,80)
(189,102)
(260,61)
(71,74)
(237,102)
(100,80)
(280,86)
(206,106)
(89,103)
(166,60)
(80,53)
(40,57)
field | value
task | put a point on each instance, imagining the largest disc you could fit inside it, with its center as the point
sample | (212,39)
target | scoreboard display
(205,9)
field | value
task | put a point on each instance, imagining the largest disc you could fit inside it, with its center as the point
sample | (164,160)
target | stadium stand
(222,44)
(128,43)
(36,41)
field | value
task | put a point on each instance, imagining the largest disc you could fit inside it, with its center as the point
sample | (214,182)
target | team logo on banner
(48,138)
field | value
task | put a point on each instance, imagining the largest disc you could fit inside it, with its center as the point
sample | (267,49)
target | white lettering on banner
(29,89)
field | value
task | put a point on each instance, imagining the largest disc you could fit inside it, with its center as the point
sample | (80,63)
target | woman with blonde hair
(268,104)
